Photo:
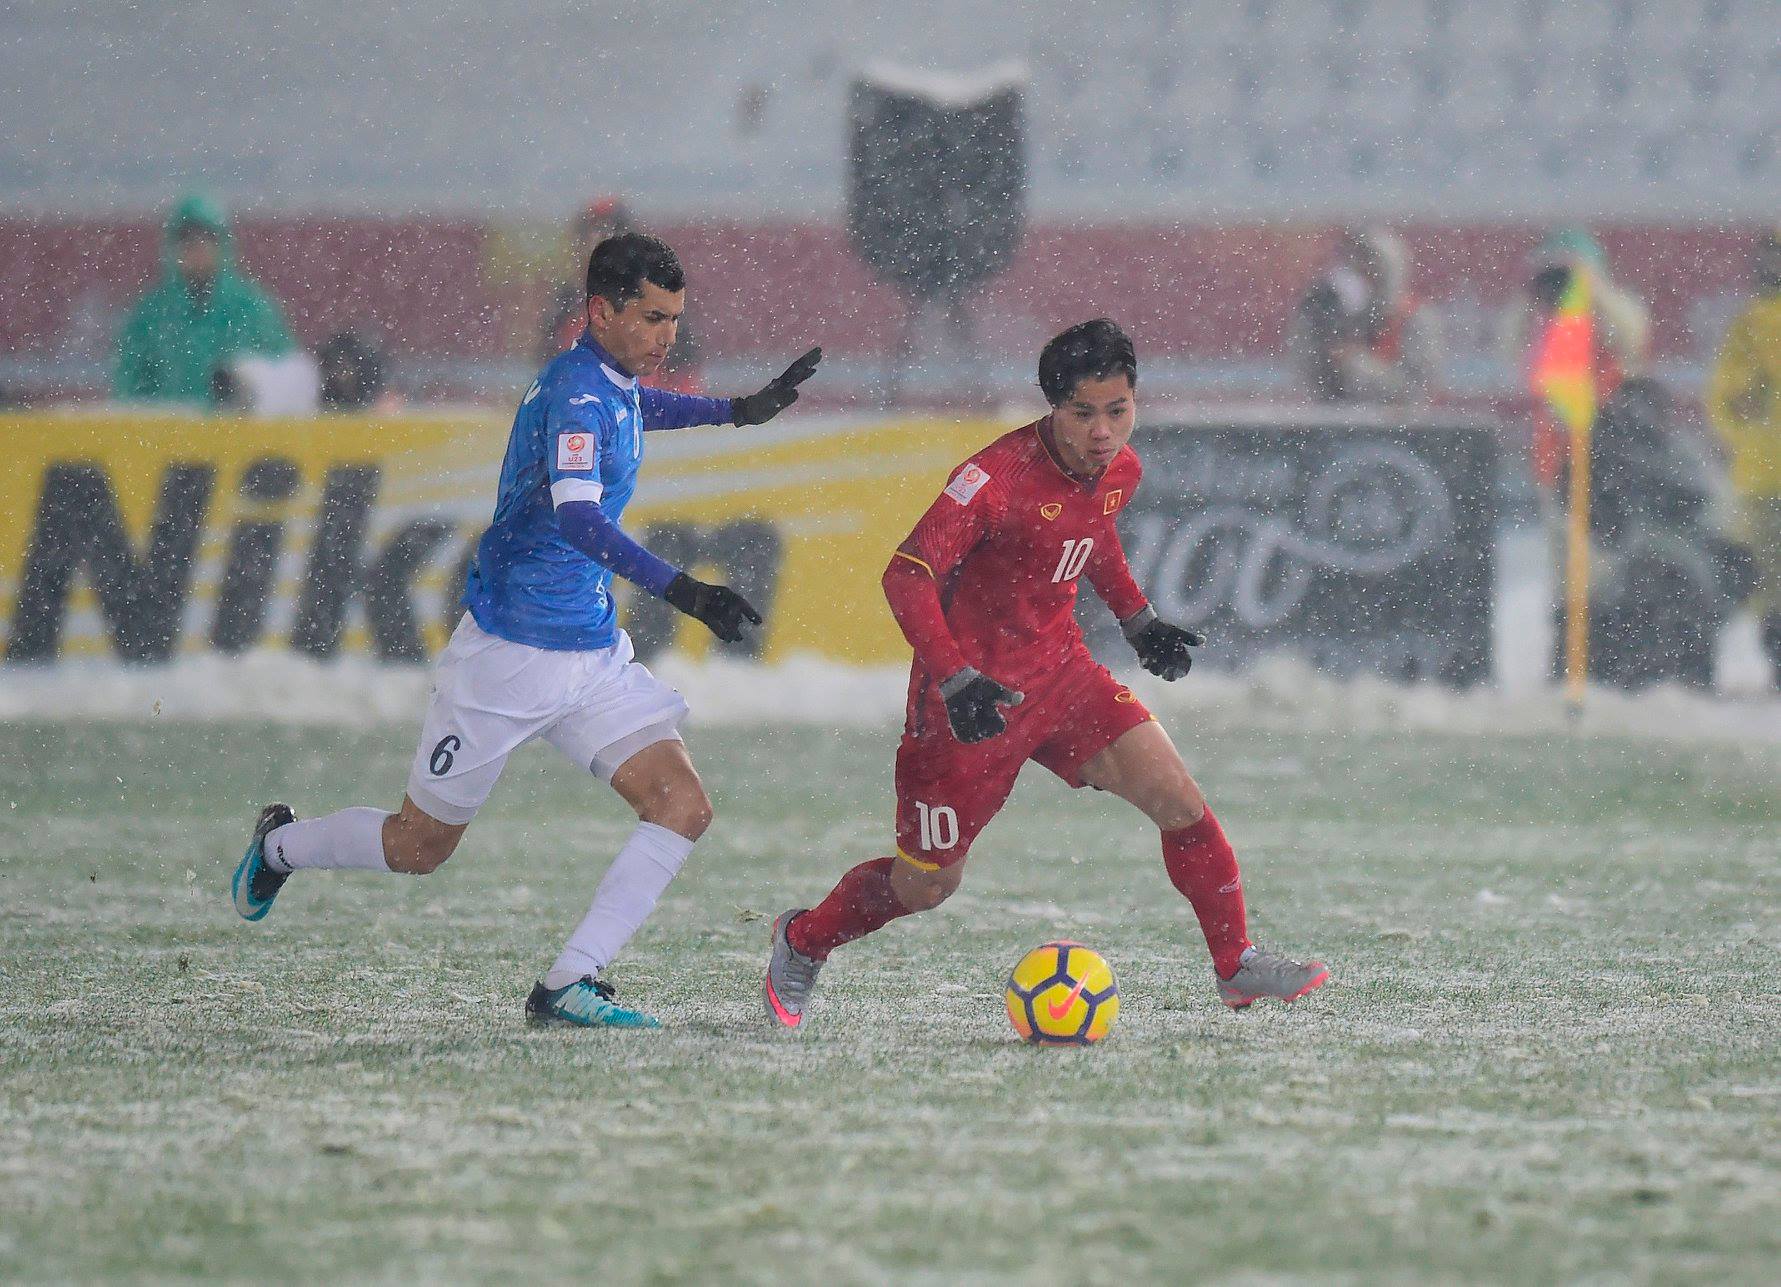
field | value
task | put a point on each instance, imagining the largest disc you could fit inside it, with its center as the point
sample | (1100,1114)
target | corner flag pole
(1564,374)
(1577,572)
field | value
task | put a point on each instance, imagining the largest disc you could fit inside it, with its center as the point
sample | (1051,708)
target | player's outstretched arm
(663,409)
(589,529)
(780,392)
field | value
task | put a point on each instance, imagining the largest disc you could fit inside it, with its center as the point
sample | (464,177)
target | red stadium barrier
(434,289)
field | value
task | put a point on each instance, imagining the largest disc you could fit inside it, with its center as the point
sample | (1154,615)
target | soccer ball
(1062,994)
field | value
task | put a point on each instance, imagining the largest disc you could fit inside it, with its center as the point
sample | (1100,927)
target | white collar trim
(622,381)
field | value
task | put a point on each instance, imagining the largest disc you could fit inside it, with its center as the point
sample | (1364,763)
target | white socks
(624,900)
(351,838)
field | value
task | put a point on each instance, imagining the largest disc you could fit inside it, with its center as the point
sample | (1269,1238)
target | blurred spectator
(1664,581)
(352,373)
(202,312)
(256,385)
(1744,403)
(1360,335)
(566,317)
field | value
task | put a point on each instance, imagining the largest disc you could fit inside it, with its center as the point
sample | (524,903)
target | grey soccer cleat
(790,976)
(1268,974)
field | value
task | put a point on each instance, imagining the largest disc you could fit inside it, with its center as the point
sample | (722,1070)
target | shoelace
(600,987)
(800,971)
(1269,965)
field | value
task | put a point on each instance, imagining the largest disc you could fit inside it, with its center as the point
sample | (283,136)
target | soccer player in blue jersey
(538,653)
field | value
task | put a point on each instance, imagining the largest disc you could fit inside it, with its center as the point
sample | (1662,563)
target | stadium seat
(172,97)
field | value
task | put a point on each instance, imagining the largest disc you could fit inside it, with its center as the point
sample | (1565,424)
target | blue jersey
(578,436)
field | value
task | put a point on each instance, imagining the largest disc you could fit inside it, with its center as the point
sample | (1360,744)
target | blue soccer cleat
(587,1003)
(256,884)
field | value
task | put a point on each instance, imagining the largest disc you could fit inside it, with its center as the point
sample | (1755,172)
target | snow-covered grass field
(1552,1049)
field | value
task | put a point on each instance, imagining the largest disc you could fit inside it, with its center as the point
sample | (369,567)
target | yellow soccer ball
(1062,994)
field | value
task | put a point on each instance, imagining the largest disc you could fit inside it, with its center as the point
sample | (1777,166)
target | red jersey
(1006,544)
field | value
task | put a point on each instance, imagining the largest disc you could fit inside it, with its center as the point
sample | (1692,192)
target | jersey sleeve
(575,425)
(663,409)
(964,513)
(914,598)
(591,530)
(1111,576)
(960,517)
(1109,572)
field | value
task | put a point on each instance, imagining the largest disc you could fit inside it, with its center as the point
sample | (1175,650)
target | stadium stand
(1524,108)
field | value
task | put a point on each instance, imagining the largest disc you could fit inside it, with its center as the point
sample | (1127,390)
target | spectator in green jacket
(202,312)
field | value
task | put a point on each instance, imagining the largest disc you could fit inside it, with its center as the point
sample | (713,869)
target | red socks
(1203,867)
(1199,861)
(861,902)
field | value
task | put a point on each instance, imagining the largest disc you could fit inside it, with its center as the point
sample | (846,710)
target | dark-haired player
(985,590)
(538,652)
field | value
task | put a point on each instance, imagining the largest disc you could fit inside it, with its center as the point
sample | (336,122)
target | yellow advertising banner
(141,536)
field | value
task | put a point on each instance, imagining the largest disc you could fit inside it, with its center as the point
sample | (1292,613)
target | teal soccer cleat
(587,1003)
(256,884)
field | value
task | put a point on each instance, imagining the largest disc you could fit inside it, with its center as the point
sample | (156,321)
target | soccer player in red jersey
(985,590)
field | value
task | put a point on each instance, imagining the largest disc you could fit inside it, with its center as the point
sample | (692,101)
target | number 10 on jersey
(1074,559)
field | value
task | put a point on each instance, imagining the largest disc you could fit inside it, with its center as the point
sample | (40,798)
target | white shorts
(490,696)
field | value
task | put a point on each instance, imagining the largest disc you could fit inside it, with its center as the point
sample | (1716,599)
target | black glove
(1162,648)
(780,393)
(972,700)
(722,610)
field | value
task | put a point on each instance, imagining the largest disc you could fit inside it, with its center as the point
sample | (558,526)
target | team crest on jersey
(1050,511)
(968,483)
(575,451)
(1113,499)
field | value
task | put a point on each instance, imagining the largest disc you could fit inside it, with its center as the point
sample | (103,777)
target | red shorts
(948,790)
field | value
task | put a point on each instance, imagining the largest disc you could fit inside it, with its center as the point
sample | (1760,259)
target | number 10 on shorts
(939,826)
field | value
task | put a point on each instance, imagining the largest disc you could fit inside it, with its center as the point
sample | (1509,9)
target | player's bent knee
(421,856)
(696,817)
(922,891)
(433,853)
(1183,809)
(686,812)
(417,845)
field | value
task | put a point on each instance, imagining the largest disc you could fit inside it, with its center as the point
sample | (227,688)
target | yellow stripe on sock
(916,862)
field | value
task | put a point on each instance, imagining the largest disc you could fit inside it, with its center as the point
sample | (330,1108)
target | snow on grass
(1574,1077)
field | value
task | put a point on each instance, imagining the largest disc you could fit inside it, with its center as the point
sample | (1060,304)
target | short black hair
(1088,350)
(621,264)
